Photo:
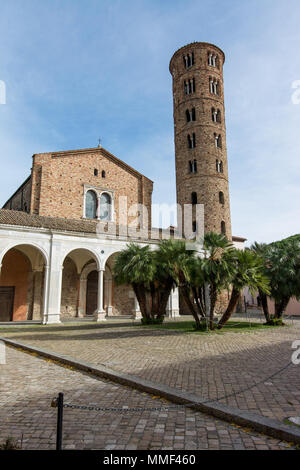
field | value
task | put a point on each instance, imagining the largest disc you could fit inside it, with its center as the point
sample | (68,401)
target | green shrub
(10,444)
(152,321)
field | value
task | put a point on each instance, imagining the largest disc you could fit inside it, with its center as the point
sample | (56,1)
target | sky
(79,70)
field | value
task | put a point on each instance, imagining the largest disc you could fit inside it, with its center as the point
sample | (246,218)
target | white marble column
(173,304)
(100,313)
(108,296)
(82,297)
(52,300)
(136,312)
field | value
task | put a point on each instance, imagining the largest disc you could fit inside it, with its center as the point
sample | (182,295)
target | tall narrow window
(105,207)
(90,205)
(194,198)
(223,227)
(193,166)
(190,115)
(191,140)
(214,86)
(95,172)
(219,166)
(189,86)
(188,60)
(194,226)
(218,141)
(212,60)
(216,115)
(103,174)
(221,197)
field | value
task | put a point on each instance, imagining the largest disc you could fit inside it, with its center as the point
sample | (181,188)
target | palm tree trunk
(164,297)
(264,303)
(234,298)
(190,305)
(213,300)
(281,306)
(141,298)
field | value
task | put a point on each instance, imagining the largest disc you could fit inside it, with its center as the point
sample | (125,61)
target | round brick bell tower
(200,133)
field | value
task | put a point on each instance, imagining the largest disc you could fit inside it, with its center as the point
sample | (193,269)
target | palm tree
(283,269)
(178,262)
(261,250)
(217,269)
(248,272)
(135,266)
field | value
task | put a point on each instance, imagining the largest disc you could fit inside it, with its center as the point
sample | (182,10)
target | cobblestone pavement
(29,383)
(211,366)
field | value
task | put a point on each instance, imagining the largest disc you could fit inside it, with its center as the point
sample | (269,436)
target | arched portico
(23,282)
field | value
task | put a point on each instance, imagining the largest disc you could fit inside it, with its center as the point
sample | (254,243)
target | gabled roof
(102,151)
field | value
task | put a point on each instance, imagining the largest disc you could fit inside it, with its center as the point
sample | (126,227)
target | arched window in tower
(216,115)
(219,166)
(189,86)
(214,86)
(223,228)
(218,140)
(90,205)
(194,198)
(103,174)
(193,166)
(190,115)
(188,60)
(105,207)
(191,140)
(212,60)
(221,197)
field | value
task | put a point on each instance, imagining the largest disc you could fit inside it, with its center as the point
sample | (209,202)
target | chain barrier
(167,408)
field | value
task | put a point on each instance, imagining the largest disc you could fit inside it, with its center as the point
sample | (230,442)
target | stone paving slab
(29,383)
(210,366)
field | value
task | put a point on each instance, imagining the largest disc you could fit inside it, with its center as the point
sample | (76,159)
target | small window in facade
(191,140)
(103,174)
(105,207)
(219,166)
(194,226)
(193,166)
(95,172)
(223,227)
(221,197)
(90,205)
(194,198)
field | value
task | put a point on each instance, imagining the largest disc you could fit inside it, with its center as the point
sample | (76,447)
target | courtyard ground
(28,385)
(225,367)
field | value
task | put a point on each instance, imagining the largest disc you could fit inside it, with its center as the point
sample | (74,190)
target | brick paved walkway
(209,365)
(29,383)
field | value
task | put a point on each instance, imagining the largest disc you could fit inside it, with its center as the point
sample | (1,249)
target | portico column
(136,313)
(82,297)
(100,312)
(52,312)
(45,296)
(173,304)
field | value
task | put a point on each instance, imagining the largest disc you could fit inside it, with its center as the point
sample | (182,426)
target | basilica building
(62,229)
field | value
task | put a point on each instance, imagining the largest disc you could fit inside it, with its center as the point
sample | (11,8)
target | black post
(60,407)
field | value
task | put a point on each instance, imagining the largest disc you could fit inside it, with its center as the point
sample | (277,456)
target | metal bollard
(59,403)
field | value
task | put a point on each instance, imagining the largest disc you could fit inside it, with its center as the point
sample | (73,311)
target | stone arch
(76,261)
(23,285)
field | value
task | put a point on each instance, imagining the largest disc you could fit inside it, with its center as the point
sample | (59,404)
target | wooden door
(6,303)
(91,293)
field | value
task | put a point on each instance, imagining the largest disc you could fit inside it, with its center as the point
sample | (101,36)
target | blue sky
(77,70)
